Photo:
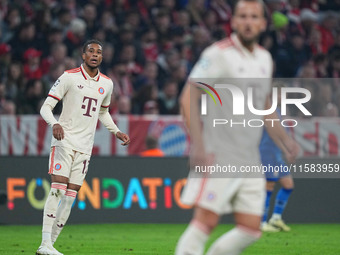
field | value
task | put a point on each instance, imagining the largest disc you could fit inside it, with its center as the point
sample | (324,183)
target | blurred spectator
(75,36)
(63,20)
(108,56)
(201,39)
(335,49)
(23,40)
(146,94)
(15,80)
(90,18)
(7,105)
(168,100)
(32,99)
(151,108)
(152,150)
(121,80)
(321,65)
(307,71)
(148,76)
(276,38)
(327,31)
(308,21)
(5,57)
(291,57)
(325,105)
(128,55)
(196,9)
(11,23)
(124,105)
(179,75)
(32,67)
(162,23)
(58,56)
(167,63)
(149,44)
(146,8)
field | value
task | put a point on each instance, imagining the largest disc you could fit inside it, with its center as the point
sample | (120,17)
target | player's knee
(59,179)
(206,217)
(73,187)
(270,185)
(287,183)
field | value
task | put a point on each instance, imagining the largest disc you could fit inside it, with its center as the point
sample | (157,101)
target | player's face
(93,55)
(248,21)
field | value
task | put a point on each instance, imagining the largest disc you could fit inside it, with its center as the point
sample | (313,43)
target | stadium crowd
(150,47)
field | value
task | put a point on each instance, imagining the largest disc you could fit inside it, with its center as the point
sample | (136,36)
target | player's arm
(189,103)
(206,67)
(106,120)
(56,93)
(279,135)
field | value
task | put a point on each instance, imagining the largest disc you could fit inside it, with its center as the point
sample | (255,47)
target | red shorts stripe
(104,106)
(204,180)
(52,161)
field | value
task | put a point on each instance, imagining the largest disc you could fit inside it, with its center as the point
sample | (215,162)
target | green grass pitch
(105,239)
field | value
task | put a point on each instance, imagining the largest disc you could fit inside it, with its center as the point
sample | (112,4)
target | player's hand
(58,132)
(124,138)
(292,151)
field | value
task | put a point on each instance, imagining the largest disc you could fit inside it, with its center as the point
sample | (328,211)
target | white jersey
(82,98)
(227,61)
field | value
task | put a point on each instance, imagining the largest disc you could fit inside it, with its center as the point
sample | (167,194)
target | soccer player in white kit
(236,57)
(86,95)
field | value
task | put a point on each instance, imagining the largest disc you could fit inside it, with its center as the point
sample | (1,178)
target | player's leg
(59,164)
(64,210)
(248,208)
(281,200)
(197,233)
(246,232)
(78,172)
(265,227)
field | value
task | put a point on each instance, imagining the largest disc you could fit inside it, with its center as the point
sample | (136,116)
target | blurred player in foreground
(271,156)
(236,57)
(86,95)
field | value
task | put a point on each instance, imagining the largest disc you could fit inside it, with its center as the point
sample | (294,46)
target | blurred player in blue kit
(271,157)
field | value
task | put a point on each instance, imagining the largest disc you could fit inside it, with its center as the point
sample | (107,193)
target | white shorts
(69,163)
(226,195)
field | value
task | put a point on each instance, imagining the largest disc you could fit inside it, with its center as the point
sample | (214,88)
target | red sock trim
(71,193)
(56,185)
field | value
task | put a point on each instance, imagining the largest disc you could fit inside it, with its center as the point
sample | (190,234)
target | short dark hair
(90,42)
(254,1)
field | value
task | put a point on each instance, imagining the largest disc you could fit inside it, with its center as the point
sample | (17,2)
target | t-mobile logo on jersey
(89,107)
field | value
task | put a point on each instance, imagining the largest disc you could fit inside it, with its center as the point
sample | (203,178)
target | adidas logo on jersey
(80,86)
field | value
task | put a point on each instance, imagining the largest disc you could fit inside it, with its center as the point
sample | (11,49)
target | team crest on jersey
(101,90)
(57,166)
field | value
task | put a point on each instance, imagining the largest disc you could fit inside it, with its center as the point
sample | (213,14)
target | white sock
(234,241)
(276,216)
(50,209)
(193,239)
(63,213)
